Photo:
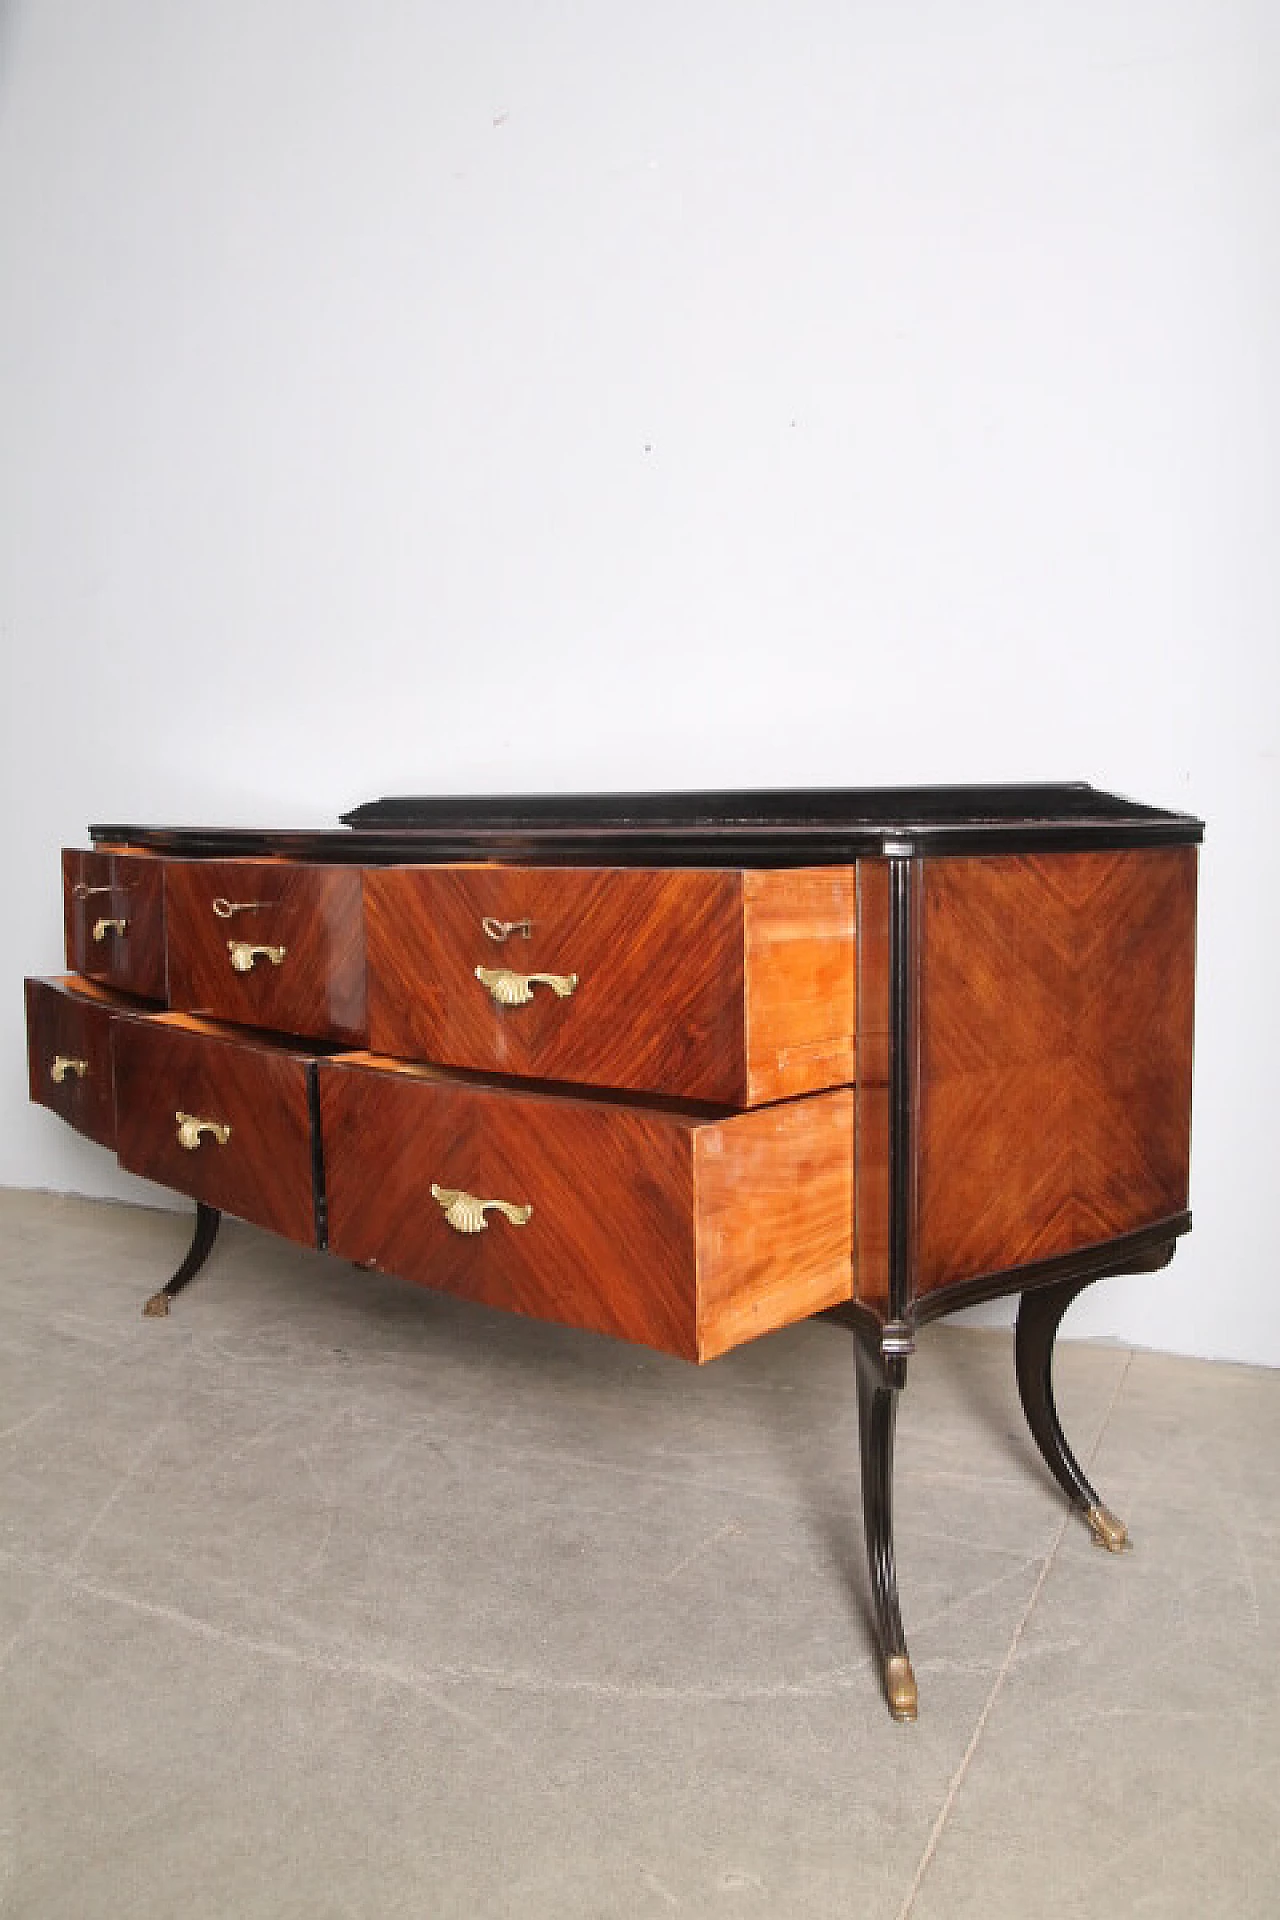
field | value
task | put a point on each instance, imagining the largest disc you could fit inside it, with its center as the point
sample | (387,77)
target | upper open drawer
(730,985)
(113,915)
(267,943)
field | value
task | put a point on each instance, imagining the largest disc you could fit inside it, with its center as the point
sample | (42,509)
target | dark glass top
(762,826)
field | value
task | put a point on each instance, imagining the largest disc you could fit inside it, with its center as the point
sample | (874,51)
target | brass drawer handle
(82,890)
(503,929)
(63,1064)
(243,955)
(101,928)
(465,1213)
(508,989)
(191,1127)
(225,908)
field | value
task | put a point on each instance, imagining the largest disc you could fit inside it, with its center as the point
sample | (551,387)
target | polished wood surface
(1055,1039)
(63,1025)
(715,984)
(312,912)
(264,1173)
(682,1231)
(113,919)
(775,1218)
(800,981)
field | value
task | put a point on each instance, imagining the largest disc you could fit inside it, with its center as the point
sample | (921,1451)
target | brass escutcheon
(465,1213)
(63,1064)
(101,928)
(191,1128)
(243,954)
(509,989)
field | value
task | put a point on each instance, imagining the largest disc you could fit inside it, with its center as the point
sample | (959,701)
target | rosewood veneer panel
(685,1232)
(1054,1076)
(119,898)
(707,984)
(312,912)
(264,1172)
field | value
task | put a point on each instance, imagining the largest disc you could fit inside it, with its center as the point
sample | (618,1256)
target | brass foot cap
(157,1306)
(1107,1531)
(900,1687)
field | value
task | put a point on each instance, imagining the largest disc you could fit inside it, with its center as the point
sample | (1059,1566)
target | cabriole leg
(879,1382)
(1039,1317)
(207,1219)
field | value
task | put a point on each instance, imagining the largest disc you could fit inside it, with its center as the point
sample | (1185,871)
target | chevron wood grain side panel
(684,1230)
(1054,1070)
(313,913)
(263,1171)
(666,964)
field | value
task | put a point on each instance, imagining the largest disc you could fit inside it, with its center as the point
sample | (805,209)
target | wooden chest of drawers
(680,1069)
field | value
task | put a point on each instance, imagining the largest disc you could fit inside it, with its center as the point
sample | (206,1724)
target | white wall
(520,396)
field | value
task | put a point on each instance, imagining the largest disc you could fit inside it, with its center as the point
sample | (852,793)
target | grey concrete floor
(329,1597)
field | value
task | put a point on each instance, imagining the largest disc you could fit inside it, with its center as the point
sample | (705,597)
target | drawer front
(69,1058)
(708,985)
(113,915)
(658,1226)
(268,943)
(244,1141)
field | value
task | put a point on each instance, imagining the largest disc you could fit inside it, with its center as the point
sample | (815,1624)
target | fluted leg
(1039,1317)
(878,1386)
(207,1220)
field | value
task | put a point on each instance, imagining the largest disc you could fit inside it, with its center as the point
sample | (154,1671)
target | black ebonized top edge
(782,827)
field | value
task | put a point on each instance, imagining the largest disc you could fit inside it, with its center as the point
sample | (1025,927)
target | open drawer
(726,984)
(228,1120)
(686,1229)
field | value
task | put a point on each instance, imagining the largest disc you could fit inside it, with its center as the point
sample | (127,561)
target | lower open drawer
(228,1121)
(688,1230)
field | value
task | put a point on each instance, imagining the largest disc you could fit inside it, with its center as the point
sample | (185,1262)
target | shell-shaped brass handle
(101,928)
(466,1214)
(243,954)
(63,1064)
(508,989)
(191,1128)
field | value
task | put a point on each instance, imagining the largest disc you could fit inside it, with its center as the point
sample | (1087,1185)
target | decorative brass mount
(243,954)
(465,1213)
(900,1687)
(1107,1531)
(508,989)
(63,1064)
(101,928)
(191,1128)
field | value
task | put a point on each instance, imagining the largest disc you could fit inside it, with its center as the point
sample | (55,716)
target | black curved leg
(879,1382)
(207,1219)
(1039,1317)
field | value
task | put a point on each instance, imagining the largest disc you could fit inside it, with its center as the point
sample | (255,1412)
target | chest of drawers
(681,1069)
